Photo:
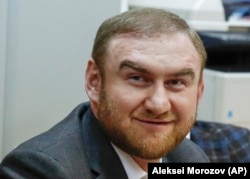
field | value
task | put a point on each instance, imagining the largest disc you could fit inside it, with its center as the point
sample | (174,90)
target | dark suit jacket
(77,148)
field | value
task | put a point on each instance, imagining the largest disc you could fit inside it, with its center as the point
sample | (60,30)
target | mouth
(154,124)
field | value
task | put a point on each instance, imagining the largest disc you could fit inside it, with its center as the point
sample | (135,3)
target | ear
(200,89)
(93,82)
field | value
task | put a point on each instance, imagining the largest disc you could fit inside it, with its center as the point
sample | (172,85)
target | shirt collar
(133,170)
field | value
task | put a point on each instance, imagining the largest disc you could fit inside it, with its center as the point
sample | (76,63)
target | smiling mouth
(154,122)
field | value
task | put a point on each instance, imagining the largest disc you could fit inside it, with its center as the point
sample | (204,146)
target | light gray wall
(3,38)
(48,44)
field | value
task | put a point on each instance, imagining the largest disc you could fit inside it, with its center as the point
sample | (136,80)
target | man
(144,82)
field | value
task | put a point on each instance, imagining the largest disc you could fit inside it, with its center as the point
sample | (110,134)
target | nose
(158,101)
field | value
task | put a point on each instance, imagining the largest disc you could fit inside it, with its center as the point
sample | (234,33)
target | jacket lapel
(101,156)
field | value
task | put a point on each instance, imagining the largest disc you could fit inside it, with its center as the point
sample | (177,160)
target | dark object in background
(241,8)
(227,51)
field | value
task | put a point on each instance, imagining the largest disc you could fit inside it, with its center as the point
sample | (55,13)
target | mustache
(150,115)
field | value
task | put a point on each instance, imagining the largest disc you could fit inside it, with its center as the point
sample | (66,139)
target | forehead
(163,51)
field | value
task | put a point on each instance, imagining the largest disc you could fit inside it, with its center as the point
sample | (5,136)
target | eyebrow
(137,67)
(185,72)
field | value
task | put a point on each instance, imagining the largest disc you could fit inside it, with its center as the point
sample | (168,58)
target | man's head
(144,80)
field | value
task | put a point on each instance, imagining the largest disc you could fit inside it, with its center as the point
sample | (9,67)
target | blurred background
(44,47)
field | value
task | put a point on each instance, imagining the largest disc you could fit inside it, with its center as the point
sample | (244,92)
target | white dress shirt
(133,170)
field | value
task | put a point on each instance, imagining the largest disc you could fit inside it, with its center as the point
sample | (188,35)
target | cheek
(184,103)
(129,103)
(125,94)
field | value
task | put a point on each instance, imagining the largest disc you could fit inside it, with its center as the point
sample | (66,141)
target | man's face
(148,100)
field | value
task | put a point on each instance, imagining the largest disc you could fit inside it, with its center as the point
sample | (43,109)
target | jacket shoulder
(52,153)
(187,152)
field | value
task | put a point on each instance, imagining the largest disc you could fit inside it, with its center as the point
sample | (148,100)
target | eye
(138,80)
(175,84)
